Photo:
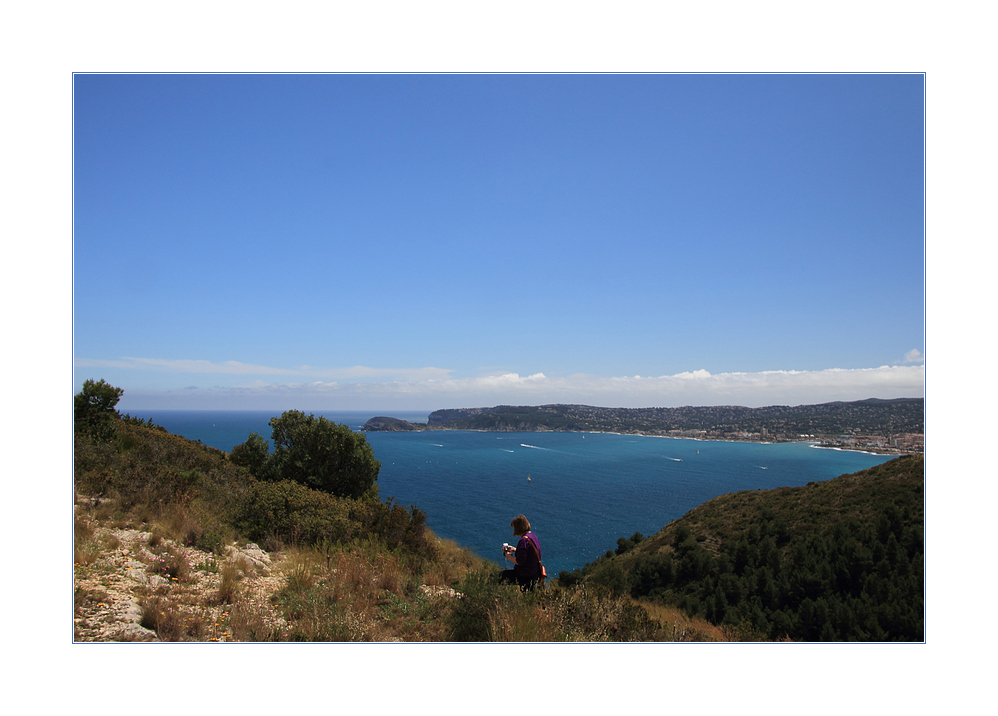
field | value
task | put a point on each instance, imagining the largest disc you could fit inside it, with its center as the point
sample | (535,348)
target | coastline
(815,443)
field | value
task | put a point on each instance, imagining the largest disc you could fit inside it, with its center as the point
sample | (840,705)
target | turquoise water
(585,489)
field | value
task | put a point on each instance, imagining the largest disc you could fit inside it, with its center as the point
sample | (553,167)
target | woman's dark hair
(520,525)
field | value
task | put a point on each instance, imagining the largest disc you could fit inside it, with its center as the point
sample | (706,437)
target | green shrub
(396,527)
(288,512)
(321,454)
(612,578)
(569,579)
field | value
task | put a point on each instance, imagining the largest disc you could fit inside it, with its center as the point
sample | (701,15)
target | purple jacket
(528,558)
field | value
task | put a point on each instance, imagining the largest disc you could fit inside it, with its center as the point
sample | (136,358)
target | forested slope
(835,560)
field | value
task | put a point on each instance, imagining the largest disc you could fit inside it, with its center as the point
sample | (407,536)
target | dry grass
(86,552)
(176,621)
(228,586)
(683,627)
(362,594)
(527,623)
(490,611)
(365,592)
(253,623)
(88,546)
(453,562)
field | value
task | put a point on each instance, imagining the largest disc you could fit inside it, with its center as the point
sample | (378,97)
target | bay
(584,490)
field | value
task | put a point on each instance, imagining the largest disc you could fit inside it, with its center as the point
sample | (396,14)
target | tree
(93,409)
(322,455)
(251,454)
(97,397)
(624,544)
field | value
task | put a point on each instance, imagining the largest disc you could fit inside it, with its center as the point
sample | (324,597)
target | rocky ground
(131,585)
(134,585)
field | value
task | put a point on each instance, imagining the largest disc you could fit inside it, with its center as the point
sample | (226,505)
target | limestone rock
(249,555)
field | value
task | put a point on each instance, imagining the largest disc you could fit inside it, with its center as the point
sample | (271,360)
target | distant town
(881,426)
(903,444)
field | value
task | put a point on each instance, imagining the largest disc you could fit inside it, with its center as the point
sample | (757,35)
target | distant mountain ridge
(871,417)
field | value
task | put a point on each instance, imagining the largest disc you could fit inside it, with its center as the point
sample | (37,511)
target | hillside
(176,541)
(835,560)
(892,424)
(173,541)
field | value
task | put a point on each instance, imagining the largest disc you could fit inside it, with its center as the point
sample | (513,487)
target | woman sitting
(526,556)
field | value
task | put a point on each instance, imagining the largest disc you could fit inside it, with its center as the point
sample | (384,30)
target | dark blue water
(584,490)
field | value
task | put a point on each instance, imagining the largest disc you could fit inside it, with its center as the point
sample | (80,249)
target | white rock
(256,558)
(134,632)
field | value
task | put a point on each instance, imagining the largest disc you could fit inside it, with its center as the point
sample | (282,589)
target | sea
(580,491)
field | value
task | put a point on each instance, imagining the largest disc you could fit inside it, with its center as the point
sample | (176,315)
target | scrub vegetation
(295,544)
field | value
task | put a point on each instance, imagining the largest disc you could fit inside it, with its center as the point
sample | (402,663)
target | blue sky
(333,242)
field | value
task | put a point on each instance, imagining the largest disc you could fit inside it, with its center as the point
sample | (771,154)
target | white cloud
(914,356)
(433,388)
